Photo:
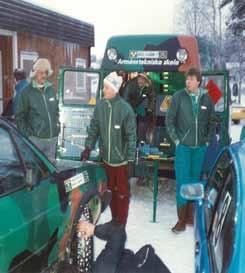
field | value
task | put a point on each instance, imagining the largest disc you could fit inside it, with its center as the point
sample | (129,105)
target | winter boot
(180,226)
(189,214)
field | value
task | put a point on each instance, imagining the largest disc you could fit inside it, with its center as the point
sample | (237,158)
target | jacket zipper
(198,107)
(109,132)
(196,131)
(196,116)
(49,118)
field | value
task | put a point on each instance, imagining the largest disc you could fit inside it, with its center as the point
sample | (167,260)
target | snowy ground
(176,251)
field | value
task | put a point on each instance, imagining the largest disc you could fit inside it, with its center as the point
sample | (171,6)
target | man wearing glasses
(37,113)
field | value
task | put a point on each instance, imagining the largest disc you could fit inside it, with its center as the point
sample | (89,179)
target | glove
(130,169)
(102,188)
(85,154)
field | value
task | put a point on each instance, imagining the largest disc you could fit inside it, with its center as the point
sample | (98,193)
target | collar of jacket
(201,91)
(35,85)
(114,99)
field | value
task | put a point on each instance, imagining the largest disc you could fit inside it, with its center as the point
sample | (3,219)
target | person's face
(41,76)
(141,81)
(109,92)
(192,84)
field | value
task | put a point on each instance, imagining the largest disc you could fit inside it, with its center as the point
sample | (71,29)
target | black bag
(147,261)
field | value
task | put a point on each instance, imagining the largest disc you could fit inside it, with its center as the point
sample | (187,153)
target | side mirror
(192,192)
(29,179)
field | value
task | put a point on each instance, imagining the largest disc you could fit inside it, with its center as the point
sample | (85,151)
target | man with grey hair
(37,113)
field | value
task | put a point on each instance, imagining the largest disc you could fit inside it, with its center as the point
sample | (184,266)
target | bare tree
(202,18)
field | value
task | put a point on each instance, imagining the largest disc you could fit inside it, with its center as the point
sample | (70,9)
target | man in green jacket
(37,113)
(114,125)
(190,123)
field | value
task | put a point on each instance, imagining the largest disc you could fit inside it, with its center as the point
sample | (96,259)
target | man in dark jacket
(37,113)
(114,125)
(191,125)
(114,258)
(140,94)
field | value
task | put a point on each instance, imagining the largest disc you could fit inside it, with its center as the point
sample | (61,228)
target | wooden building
(28,32)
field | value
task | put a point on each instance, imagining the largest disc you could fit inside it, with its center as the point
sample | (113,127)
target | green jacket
(37,112)
(114,124)
(190,123)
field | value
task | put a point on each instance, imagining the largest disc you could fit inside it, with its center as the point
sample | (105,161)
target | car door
(217,84)
(79,90)
(215,225)
(32,208)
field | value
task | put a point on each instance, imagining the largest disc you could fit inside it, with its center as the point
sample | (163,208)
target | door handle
(197,248)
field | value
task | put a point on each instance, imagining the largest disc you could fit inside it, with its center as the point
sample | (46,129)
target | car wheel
(236,121)
(82,249)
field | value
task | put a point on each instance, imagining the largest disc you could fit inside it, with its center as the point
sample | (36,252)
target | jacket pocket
(40,128)
(118,153)
(185,135)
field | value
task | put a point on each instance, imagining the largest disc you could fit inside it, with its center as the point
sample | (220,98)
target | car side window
(221,231)
(32,163)
(215,186)
(12,175)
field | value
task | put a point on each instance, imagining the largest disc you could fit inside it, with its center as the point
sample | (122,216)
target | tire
(82,250)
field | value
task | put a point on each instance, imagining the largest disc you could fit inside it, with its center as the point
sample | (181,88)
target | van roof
(151,53)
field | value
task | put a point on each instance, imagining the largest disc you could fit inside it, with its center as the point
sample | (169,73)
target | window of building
(27,59)
(80,77)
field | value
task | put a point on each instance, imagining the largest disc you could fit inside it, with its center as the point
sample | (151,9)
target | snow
(177,251)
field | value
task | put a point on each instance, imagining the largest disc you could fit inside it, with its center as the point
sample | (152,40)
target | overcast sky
(112,17)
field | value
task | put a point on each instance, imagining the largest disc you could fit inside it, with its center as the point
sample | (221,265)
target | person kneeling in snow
(114,258)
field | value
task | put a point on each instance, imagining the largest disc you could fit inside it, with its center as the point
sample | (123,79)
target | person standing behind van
(140,94)
(37,113)
(190,123)
(114,125)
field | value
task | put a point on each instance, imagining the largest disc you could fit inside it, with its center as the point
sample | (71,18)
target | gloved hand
(102,188)
(130,169)
(85,154)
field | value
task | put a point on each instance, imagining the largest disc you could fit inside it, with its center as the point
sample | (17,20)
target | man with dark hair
(114,258)
(140,94)
(20,84)
(190,123)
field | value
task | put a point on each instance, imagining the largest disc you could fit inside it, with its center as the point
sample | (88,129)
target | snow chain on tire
(82,249)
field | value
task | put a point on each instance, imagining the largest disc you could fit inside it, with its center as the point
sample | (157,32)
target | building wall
(58,52)
(7,67)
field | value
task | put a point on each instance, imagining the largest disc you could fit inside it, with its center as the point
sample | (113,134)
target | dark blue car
(220,214)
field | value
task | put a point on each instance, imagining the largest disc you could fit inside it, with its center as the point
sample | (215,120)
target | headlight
(111,54)
(182,55)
